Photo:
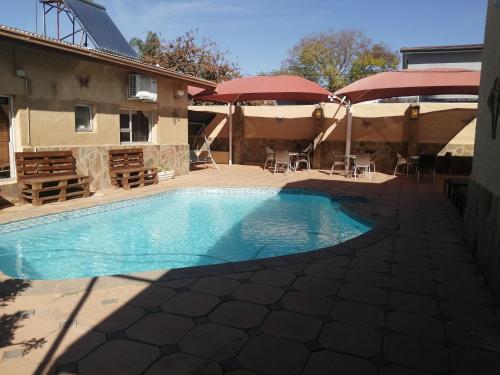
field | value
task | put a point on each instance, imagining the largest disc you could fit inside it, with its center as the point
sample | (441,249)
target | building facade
(57,96)
(463,56)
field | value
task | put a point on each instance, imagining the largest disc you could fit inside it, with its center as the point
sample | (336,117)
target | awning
(412,82)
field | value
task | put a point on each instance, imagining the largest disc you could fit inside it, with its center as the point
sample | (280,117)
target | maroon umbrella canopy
(282,87)
(412,83)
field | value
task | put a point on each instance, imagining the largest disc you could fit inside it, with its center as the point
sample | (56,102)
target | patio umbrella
(282,87)
(409,82)
(412,82)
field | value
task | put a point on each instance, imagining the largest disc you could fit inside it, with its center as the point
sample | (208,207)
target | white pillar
(230,133)
(348,129)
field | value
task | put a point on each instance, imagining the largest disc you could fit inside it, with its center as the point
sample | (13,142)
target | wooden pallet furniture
(49,176)
(126,169)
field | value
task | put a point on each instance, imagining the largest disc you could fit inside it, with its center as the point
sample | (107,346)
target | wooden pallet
(48,177)
(126,169)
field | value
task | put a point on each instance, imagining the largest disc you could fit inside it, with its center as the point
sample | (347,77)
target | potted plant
(164,173)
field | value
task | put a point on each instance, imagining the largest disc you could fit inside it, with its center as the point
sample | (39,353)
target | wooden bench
(126,169)
(49,176)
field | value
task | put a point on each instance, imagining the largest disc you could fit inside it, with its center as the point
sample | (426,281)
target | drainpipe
(20,73)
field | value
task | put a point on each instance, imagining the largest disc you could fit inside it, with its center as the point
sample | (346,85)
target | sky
(258,33)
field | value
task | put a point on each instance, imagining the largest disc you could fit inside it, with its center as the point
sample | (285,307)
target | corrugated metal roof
(103,56)
(100,27)
(459,47)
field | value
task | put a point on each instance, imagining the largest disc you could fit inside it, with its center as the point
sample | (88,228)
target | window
(83,118)
(135,126)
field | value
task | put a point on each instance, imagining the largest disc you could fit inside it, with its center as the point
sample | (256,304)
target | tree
(187,54)
(335,58)
(379,58)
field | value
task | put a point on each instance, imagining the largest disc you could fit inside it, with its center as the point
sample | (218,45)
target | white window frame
(129,129)
(91,122)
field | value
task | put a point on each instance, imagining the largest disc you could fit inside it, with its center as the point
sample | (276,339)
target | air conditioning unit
(142,88)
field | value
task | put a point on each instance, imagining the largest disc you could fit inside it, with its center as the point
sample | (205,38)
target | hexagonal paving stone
(413,303)
(325,271)
(370,265)
(18,366)
(326,362)
(358,313)
(291,325)
(415,352)
(75,344)
(26,329)
(152,296)
(270,277)
(478,336)
(191,304)
(468,312)
(316,285)
(239,314)
(258,293)
(375,279)
(274,356)
(400,370)
(184,364)
(213,341)
(416,325)
(306,303)
(160,328)
(466,361)
(215,285)
(370,295)
(109,318)
(119,357)
(355,340)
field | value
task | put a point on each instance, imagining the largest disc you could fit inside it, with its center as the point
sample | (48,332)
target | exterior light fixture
(179,94)
(414,111)
(318,114)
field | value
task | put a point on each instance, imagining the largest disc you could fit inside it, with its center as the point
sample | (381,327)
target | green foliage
(187,54)
(336,58)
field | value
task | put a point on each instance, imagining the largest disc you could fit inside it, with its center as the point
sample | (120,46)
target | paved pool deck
(406,299)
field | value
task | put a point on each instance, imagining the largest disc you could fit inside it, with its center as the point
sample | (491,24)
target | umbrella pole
(230,133)
(348,129)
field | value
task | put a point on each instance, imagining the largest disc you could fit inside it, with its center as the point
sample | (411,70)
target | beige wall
(438,123)
(44,110)
(486,167)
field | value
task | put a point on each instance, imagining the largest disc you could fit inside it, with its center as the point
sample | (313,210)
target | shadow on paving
(404,300)
(10,323)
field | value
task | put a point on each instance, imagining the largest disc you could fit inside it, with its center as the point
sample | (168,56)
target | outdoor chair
(404,161)
(269,157)
(338,160)
(282,159)
(426,163)
(362,164)
(304,157)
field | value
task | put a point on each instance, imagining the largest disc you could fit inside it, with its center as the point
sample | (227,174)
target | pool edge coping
(381,228)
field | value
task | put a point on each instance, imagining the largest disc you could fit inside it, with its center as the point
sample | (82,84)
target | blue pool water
(186,227)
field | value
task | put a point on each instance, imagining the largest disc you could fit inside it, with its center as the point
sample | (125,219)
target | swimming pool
(178,228)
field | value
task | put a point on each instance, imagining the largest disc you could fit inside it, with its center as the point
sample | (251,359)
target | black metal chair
(426,163)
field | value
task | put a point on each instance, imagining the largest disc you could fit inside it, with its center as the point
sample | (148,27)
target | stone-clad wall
(93,160)
(481,231)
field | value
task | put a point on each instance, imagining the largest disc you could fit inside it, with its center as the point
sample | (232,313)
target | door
(5,138)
